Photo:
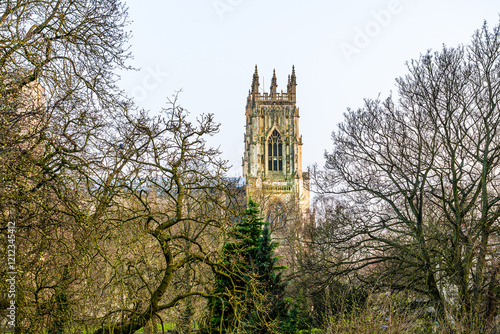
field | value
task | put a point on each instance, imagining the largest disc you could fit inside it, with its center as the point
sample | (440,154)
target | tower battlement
(278,97)
(273,97)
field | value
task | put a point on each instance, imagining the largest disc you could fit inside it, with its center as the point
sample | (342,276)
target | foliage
(121,217)
(298,317)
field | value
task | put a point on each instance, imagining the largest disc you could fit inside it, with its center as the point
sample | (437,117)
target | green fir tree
(248,285)
(236,277)
(298,318)
(269,276)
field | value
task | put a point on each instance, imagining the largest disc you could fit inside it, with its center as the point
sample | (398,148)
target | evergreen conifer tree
(250,293)
(298,318)
(233,281)
(273,288)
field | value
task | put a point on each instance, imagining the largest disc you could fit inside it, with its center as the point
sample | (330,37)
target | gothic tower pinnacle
(255,83)
(274,85)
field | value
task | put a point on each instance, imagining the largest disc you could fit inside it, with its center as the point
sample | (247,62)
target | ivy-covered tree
(235,288)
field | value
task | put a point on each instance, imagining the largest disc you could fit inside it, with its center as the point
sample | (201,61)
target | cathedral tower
(272,162)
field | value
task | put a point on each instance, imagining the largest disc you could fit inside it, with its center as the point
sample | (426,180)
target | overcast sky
(343,52)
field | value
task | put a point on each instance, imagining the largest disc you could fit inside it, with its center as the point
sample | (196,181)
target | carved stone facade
(272,162)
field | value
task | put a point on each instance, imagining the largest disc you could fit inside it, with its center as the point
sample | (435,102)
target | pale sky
(343,52)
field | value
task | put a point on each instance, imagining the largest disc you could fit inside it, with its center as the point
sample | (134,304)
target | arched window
(275,152)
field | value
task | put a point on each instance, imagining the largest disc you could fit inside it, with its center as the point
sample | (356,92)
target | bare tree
(57,95)
(418,182)
(176,201)
(118,214)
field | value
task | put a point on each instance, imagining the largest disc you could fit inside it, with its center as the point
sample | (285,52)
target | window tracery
(275,152)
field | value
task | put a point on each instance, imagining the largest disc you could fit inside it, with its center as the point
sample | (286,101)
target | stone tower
(272,162)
